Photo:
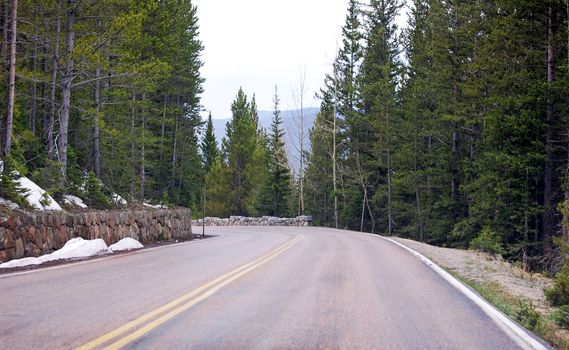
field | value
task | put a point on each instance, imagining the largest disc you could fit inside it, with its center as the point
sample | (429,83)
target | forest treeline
(106,98)
(106,101)
(452,131)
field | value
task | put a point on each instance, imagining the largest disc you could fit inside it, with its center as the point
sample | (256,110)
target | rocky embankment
(303,220)
(32,235)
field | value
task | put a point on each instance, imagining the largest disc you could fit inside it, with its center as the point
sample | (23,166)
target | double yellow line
(172,309)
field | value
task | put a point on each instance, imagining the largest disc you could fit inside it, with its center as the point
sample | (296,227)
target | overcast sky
(259,43)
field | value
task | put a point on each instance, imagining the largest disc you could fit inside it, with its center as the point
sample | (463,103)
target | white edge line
(111,256)
(519,334)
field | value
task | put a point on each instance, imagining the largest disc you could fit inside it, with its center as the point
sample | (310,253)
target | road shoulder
(515,292)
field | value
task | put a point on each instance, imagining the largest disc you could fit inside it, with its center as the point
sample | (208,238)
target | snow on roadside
(36,195)
(76,248)
(20,263)
(158,206)
(74,200)
(125,244)
(119,200)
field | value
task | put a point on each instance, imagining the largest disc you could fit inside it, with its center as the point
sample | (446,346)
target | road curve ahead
(248,288)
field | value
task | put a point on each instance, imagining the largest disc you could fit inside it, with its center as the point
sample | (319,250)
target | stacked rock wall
(37,234)
(249,221)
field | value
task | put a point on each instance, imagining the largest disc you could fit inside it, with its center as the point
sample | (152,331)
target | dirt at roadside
(483,267)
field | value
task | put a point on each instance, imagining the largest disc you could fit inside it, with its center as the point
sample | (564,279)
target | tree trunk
(96,122)
(11,81)
(66,90)
(96,130)
(301,170)
(142,150)
(364,198)
(133,144)
(564,227)
(50,125)
(5,25)
(334,182)
(175,145)
(162,136)
(34,92)
(549,209)
(389,189)
(417,189)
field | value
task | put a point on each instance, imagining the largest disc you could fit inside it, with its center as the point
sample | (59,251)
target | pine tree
(238,149)
(279,170)
(380,69)
(210,152)
(319,186)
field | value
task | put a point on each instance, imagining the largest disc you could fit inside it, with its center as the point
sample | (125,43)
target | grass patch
(523,311)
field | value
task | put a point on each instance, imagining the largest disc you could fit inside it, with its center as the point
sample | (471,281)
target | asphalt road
(248,288)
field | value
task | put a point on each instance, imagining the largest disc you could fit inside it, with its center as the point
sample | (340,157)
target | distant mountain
(290,120)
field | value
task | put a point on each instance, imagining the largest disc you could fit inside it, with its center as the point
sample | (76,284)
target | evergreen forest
(452,129)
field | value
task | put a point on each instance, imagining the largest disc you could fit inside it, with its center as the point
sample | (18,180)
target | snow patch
(9,204)
(74,248)
(78,248)
(36,196)
(74,200)
(158,206)
(125,244)
(119,200)
(20,263)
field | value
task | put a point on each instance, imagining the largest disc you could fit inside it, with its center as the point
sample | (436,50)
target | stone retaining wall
(249,221)
(37,234)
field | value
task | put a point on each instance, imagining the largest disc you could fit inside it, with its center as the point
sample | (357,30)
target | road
(247,288)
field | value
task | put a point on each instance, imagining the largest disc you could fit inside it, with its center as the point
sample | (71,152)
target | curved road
(247,288)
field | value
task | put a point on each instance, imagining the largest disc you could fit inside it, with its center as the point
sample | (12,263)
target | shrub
(558,295)
(49,177)
(94,193)
(488,241)
(8,187)
(527,315)
(561,316)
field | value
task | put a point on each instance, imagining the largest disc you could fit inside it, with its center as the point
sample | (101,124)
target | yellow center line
(190,300)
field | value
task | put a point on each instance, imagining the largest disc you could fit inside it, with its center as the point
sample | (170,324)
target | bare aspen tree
(564,228)
(98,105)
(334,132)
(51,149)
(301,136)
(142,149)
(11,80)
(34,86)
(62,140)
(548,191)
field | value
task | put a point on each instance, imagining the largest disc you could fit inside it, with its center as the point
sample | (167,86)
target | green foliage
(209,149)
(447,146)
(218,191)
(9,189)
(135,100)
(558,295)
(277,192)
(521,310)
(561,316)
(488,241)
(94,194)
(49,176)
(527,315)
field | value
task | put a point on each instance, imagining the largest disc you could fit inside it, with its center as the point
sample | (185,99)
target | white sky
(259,43)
